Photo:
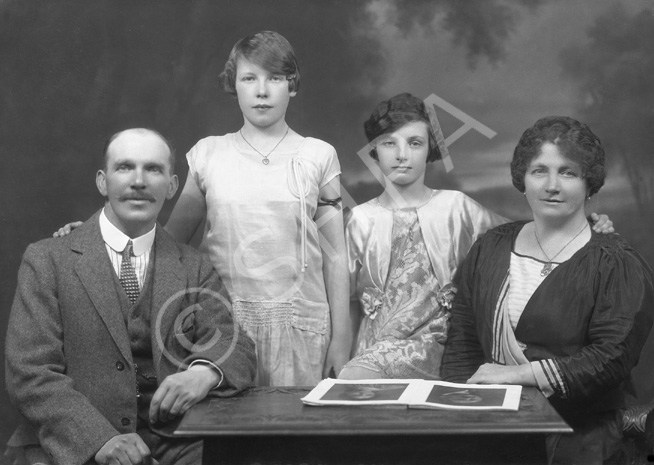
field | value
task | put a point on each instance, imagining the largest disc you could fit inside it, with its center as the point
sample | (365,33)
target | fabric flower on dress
(445,295)
(372,299)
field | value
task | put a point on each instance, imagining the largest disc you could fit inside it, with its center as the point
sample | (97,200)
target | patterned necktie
(128,275)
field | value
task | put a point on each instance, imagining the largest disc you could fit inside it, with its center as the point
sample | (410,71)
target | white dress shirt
(115,241)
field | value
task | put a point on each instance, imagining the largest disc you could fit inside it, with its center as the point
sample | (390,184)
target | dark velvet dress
(591,316)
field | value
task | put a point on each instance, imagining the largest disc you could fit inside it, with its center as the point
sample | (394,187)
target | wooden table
(272,426)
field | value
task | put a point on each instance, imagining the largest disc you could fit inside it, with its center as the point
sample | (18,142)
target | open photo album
(415,393)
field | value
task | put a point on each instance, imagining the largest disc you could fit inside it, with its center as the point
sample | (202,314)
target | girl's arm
(188,213)
(332,243)
(355,321)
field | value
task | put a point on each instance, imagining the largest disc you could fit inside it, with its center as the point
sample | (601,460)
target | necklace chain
(264,160)
(423,201)
(547,268)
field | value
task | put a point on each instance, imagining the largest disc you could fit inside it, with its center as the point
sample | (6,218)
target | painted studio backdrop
(73,72)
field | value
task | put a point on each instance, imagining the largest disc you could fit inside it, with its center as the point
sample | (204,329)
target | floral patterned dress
(401,264)
(404,334)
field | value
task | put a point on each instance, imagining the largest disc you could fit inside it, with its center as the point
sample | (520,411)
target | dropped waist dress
(261,238)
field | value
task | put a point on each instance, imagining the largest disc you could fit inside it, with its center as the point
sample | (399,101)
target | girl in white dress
(274,225)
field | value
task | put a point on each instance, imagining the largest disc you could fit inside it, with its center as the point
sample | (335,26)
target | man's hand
(125,449)
(181,391)
(602,224)
(67,229)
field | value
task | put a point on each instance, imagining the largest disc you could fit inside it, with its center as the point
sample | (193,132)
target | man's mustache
(137,197)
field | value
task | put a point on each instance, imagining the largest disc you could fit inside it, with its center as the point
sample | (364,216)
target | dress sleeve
(196,159)
(479,218)
(618,328)
(330,167)
(548,377)
(354,245)
(463,353)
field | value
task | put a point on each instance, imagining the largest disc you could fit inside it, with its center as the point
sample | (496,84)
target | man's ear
(172,186)
(101,182)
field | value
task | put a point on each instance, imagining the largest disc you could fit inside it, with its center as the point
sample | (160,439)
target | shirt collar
(117,240)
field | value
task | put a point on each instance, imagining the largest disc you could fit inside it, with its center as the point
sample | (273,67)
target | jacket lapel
(168,286)
(96,274)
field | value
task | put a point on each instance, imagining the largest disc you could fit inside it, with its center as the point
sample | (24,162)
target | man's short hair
(115,136)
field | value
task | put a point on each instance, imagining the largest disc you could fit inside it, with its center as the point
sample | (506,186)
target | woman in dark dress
(552,304)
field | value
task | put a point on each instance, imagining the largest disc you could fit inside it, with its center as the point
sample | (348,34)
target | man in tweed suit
(99,369)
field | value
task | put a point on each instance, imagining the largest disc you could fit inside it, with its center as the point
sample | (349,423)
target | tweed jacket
(69,367)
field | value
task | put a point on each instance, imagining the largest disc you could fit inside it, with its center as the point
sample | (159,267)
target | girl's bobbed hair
(267,49)
(390,115)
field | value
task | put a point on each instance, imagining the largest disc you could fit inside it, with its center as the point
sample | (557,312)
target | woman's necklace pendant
(547,267)
(264,158)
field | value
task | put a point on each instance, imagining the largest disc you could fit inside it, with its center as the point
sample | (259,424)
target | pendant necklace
(264,159)
(547,267)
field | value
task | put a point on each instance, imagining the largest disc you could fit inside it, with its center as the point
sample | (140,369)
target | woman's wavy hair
(574,140)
